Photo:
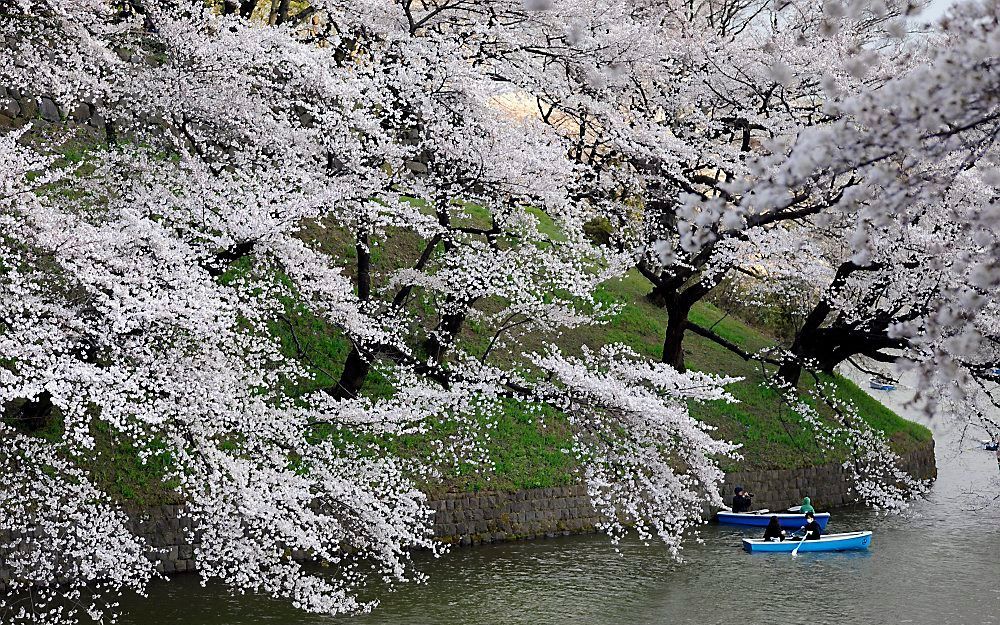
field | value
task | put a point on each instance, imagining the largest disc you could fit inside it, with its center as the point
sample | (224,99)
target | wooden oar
(795,551)
(795,509)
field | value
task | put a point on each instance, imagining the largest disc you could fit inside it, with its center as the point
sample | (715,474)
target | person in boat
(812,528)
(742,500)
(806,506)
(774,531)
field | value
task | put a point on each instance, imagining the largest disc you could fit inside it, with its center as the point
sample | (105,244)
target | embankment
(486,517)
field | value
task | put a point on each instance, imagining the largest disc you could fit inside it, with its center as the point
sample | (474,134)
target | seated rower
(806,506)
(812,528)
(774,531)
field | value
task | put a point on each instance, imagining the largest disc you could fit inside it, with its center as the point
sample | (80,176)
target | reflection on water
(937,565)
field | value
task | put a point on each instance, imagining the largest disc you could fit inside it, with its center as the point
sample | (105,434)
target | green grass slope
(529,448)
(771,434)
(529,445)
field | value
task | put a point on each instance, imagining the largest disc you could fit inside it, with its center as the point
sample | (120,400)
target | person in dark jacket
(742,500)
(774,531)
(812,528)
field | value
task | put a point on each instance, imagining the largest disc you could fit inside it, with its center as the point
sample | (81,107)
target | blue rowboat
(851,541)
(881,385)
(794,521)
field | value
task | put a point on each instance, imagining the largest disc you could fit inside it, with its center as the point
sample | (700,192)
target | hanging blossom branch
(873,469)
(648,464)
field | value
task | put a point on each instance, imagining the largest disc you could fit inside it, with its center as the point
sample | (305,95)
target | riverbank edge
(466,519)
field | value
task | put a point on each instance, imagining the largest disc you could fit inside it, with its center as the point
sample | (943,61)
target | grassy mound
(529,446)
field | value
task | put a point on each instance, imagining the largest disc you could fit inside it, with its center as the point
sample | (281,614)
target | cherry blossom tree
(140,287)
(678,125)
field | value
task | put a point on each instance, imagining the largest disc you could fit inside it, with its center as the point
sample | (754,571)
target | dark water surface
(937,565)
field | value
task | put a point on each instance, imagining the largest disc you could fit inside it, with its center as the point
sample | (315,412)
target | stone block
(80,112)
(29,107)
(10,107)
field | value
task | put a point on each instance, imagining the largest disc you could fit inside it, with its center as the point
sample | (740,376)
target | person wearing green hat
(806,506)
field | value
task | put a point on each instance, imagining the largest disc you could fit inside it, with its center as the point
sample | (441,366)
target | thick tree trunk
(823,348)
(282,12)
(352,378)
(673,338)
(247,8)
(789,372)
(357,366)
(440,341)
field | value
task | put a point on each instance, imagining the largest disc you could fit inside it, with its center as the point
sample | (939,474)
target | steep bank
(528,445)
(465,519)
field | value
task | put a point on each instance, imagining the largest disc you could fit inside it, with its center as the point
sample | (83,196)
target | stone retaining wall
(17,109)
(826,485)
(476,518)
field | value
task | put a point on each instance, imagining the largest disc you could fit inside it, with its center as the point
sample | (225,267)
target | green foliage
(529,445)
(598,230)
(118,468)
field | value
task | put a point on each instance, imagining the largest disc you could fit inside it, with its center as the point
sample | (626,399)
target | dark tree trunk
(363,249)
(823,347)
(282,14)
(678,304)
(673,338)
(353,377)
(247,8)
(35,414)
(357,366)
(789,372)
(440,341)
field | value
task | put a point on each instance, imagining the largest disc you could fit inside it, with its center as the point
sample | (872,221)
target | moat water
(938,564)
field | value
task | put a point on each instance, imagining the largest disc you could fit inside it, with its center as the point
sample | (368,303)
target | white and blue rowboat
(881,385)
(851,541)
(761,519)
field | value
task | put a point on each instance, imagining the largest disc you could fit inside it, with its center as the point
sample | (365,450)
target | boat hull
(794,521)
(851,541)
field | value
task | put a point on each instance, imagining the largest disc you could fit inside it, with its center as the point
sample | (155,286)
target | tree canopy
(822,147)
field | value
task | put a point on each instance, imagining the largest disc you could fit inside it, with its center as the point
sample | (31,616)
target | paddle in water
(795,551)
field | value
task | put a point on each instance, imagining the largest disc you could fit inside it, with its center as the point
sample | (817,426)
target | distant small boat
(881,385)
(851,541)
(989,445)
(754,519)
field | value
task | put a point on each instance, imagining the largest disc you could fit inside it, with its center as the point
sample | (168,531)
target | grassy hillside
(529,446)
(529,449)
